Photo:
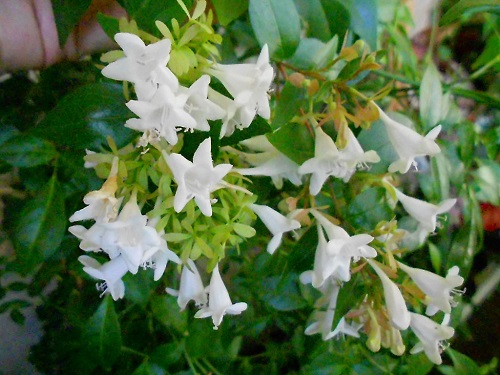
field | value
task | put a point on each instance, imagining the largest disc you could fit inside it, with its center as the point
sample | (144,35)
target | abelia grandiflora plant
(175,196)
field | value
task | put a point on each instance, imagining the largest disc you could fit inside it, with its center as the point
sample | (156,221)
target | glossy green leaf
(277,24)
(166,310)
(431,97)
(369,208)
(313,14)
(259,126)
(376,139)
(293,140)
(228,10)
(147,12)
(85,117)
(364,18)
(462,364)
(148,368)
(283,294)
(40,226)
(338,17)
(103,333)
(27,151)
(67,14)
(350,294)
(290,102)
(469,6)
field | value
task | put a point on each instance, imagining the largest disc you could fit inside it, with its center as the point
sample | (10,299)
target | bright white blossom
(408,143)
(164,113)
(333,259)
(323,320)
(196,179)
(438,289)
(396,306)
(219,302)
(430,335)
(343,328)
(248,83)
(268,162)
(276,223)
(190,287)
(353,154)
(425,213)
(141,63)
(111,272)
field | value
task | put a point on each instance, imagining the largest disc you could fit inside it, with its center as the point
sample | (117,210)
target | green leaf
(166,310)
(364,18)
(486,183)
(293,140)
(103,333)
(462,365)
(277,24)
(167,354)
(147,12)
(85,117)
(313,13)
(229,10)
(469,6)
(110,25)
(40,227)
(283,294)
(349,295)
(27,151)
(376,139)
(338,17)
(259,126)
(368,209)
(67,14)
(291,100)
(431,97)
(148,368)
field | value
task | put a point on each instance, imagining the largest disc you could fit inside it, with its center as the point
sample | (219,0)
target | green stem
(133,351)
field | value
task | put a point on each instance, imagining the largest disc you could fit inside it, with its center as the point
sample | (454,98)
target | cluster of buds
(157,206)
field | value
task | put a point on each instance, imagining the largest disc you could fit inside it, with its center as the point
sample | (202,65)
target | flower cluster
(159,204)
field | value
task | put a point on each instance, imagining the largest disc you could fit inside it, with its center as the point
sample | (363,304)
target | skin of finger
(20,40)
(29,39)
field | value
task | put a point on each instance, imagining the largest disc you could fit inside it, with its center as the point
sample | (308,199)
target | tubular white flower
(111,272)
(437,288)
(141,63)
(323,320)
(425,213)
(190,287)
(396,306)
(219,302)
(248,83)
(275,222)
(408,143)
(269,162)
(165,112)
(354,155)
(333,258)
(327,162)
(430,335)
(102,205)
(196,179)
(343,328)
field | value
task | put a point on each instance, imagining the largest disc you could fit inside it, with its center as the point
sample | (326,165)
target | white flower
(396,306)
(196,179)
(199,106)
(219,302)
(333,259)
(430,335)
(269,162)
(323,320)
(165,112)
(141,63)
(248,83)
(425,213)
(111,272)
(275,222)
(437,288)
(190,287)
(101,204)
(326,162)
(353,154)
(343,328)
(408,143)
(236,116)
